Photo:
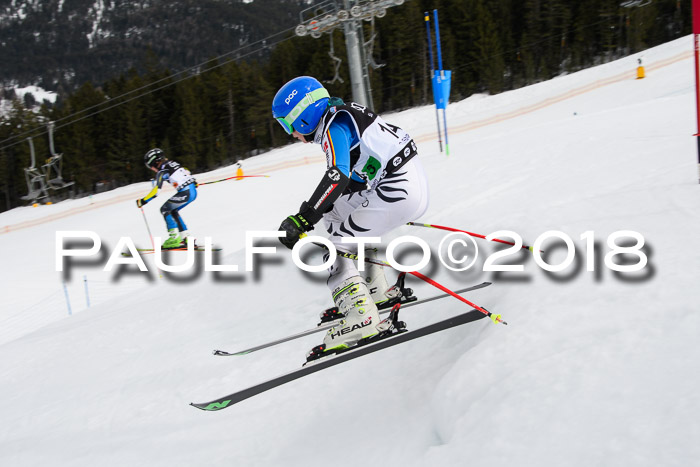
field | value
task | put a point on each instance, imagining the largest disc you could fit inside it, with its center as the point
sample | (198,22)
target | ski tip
(212,406)
(200,407)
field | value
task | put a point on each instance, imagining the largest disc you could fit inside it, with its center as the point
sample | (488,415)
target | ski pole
(150,235)
(494,318)
(153,245)
(451,229)
(348,255)
(229,178)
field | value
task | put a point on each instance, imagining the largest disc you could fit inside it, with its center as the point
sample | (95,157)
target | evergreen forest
(219,111)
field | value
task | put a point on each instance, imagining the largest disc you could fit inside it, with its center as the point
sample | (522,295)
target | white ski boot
(376,280)
(361,316)
(383,295)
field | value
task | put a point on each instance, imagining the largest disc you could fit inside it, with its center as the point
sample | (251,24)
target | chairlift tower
(348,14)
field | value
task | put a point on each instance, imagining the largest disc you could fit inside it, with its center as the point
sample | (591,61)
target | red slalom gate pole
(451,229)
(696,44)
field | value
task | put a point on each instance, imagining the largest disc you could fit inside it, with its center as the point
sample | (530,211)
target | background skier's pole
(153,245)
(237,177)
(432,76)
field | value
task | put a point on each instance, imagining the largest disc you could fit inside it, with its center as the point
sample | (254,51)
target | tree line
(220,112)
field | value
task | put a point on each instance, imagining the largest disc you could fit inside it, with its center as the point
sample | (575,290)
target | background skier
(185,184)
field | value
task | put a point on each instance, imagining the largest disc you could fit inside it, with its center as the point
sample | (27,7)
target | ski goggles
(310,98)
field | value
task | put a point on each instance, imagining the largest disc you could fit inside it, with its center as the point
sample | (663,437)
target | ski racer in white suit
(373,184)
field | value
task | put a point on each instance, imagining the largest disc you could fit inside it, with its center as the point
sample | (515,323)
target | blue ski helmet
(300,104)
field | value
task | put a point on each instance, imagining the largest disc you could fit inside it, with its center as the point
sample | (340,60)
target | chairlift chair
(54,166)
(35,178)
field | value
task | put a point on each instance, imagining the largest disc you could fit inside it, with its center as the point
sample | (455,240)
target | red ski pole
(494,318)
(451,229)
(346,254)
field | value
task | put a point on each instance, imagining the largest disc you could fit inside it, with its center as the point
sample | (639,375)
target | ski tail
(327,362)
(326,326)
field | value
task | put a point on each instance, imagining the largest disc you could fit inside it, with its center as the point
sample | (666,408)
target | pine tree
(83,136)
(487,48)
(190,149)
(401,35)
(490,45)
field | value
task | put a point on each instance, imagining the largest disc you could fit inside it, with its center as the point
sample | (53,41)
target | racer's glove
(294,227)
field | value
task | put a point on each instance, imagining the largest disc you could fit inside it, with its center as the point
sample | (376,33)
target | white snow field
(594,367)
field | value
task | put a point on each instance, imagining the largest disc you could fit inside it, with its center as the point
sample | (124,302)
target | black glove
(140,202)
(294,226)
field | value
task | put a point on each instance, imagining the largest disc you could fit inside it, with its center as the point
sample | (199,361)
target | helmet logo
(290,97)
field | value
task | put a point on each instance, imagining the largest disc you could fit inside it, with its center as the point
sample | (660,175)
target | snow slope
(594,368)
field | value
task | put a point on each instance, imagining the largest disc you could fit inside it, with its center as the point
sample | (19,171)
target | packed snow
(40,95)
(595,367)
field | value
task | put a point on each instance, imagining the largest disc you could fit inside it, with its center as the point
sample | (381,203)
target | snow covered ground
(594,368)
(40,95)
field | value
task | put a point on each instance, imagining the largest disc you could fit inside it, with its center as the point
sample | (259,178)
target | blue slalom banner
(441,88)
